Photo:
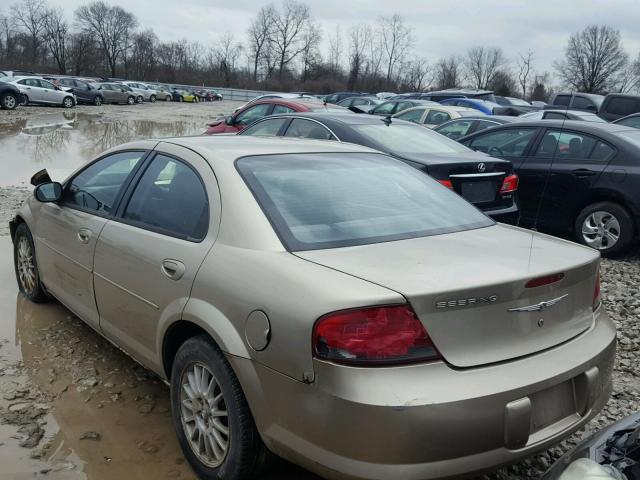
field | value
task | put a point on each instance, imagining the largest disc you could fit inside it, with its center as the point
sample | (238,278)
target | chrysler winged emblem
(538,307)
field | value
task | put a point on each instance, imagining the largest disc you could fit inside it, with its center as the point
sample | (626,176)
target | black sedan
(459,127)
(10,96)
(488,183)
(391,107)
(580,178)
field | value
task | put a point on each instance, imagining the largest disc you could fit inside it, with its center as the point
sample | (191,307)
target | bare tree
(7,39)
(482,64)
(396,40)
(227,55)
(414,78)
(593,59)
(143,54)
(82,53)
(335,51)
(310,52)
(29,16)
(56,35)
(260,37)
(112,27)
(525,64)
(375,51)
(290,24)
(628,80)
(358,40)
(448,72)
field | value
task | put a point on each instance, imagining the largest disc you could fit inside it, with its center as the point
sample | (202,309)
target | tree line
(281,50)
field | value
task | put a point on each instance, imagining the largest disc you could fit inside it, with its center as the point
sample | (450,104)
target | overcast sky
(440,27)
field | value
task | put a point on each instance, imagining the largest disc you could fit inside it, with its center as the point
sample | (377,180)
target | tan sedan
(432,116)
(324,303)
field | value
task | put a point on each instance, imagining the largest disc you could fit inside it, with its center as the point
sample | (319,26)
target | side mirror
(48,192)
(229,120)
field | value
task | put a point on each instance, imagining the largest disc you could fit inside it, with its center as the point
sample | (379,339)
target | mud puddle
(74,407)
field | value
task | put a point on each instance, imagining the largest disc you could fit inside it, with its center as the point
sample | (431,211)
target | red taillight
(509,184)
(446,183)
(373,336)
(596,292)
(546,280)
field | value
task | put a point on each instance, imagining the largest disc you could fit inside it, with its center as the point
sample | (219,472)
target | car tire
(98,101)
(243,455)
(605,226)
(68,102)
(180,98)
(139,99)
(131,100)
(9,101)
(196,99)
(24,100)
(168,98)
(26,266)
(152,98)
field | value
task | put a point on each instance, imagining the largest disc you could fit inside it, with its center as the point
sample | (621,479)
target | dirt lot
(72,406)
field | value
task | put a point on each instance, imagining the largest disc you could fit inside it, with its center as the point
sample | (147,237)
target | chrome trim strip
(471,175)
(127,291)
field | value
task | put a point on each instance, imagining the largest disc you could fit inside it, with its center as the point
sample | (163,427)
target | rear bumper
(508,215)
(430,421)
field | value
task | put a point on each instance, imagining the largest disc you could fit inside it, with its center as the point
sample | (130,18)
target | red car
(261,108)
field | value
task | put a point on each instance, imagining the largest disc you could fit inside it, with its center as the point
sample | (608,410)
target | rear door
(66,233)
(576,161)
(108,94)
(33,90)
(147,258)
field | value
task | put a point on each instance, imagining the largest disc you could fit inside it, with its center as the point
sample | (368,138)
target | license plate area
(552,405)
(478,191)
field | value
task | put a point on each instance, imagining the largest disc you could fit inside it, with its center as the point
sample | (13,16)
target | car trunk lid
(468,288)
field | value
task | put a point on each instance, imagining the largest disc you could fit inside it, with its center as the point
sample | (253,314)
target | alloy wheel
(204,415)
(67,102)
(601,230)
(97,101)
(10,102)
(26,267)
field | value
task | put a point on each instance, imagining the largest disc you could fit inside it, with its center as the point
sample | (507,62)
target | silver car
(116,93)
(37,90)
(143,92)
(325,303)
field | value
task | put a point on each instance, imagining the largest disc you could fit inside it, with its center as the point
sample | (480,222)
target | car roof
(346,118)
(592,95)
(498,118)
(22,77)
(575,125)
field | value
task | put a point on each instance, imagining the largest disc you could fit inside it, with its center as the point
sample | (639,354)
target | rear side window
(281,109)
(384,108)
(266,128)
(565,145)
(456,130)
(300,128)
(252,113)
(508,142)
(316,201)
(96,187)
(562,100)
(630,122)
(435,117)
(602,152)
(171,199)
(412,115)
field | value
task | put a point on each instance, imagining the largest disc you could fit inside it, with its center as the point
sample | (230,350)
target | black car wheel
(180,98)
(97,100)
(140,99)
(152,98)
(605,226)
(196,99)
(68,102)
(214,425)
(131,100)
(24,99)
(9,101)
(168,98)
(24,261)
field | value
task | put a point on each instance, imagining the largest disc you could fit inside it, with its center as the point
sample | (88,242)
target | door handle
(173,269)
(84,235)
(583,172)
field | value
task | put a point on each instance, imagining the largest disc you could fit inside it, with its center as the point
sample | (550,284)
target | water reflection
(65,140)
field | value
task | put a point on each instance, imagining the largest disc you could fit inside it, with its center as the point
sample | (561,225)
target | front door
(66,233)
(147,258)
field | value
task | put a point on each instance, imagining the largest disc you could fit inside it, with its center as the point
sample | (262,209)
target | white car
(40,91)
(143,92)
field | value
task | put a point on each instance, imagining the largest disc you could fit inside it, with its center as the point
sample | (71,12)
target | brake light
(446,183)
(510,184)
(546,280)
(373,336)
(596,292)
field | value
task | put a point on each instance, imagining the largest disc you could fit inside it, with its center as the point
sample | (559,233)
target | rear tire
(216,407)
(140,99)
(605,226)
(131,100)
(24,100)
(168,98)
(9,101)
(152,98)
(26,266)
(97,101)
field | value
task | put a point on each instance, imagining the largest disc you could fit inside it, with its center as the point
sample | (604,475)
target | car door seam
(135,295)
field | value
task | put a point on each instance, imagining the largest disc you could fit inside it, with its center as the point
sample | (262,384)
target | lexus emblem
(481,167)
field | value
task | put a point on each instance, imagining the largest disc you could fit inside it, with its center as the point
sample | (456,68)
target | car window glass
(456,130)
(67,82)
(509,142)
(408,139)
(403,106)
(335,200)
(554,116)
(412,115)
(630,122)
(45,84)
(562,100)
(97,186)
(565,145)
(483,125)
(300,128)
(384,108)
(253,113)
(601,152)
(583,103)
(266,128)
(281,109)
(171,199)
(436,117)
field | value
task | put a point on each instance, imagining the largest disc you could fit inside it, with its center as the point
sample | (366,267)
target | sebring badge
(538,307)
(466,302)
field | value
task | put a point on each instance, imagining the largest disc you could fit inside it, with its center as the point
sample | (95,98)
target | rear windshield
(317,201)
(407,139)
